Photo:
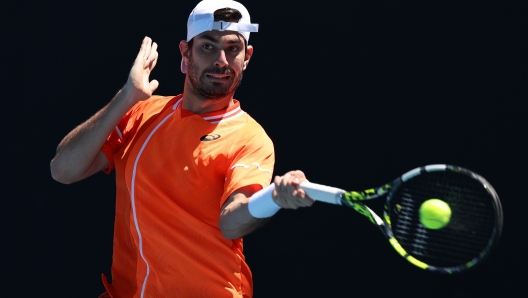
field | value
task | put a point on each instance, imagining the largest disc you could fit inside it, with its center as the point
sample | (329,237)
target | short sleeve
(120,134)
(252,163)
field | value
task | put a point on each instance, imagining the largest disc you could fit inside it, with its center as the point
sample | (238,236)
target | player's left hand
(287,194)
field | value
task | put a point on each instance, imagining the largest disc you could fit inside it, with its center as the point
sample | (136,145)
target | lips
(217,75)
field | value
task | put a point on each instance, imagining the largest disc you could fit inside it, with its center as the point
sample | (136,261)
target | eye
(207,46)
(234,48)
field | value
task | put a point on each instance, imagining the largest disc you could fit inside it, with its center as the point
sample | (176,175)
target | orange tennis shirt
(174,171)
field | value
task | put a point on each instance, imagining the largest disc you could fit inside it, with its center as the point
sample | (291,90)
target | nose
(221,60)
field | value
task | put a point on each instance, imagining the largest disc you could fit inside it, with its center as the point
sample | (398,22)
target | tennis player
(193,171)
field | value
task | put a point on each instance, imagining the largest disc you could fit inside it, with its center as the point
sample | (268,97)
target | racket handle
(322,193)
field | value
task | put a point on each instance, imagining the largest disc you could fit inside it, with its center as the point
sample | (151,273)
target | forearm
(249,208)
(77,152)
(236,221)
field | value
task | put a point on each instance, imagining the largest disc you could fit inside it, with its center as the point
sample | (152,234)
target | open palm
(138,79)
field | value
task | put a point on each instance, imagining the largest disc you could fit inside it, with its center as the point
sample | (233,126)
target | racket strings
(469,231)
(421,246)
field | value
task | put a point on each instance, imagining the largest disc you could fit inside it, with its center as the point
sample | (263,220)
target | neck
(200,105)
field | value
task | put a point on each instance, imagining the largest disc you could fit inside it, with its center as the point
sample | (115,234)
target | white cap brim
(201,20)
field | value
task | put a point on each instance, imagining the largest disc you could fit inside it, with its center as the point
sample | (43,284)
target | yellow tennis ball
(435,214)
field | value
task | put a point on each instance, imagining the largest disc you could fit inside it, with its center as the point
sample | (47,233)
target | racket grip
(322,193)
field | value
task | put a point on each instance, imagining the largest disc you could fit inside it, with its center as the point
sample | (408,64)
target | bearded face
(213,82)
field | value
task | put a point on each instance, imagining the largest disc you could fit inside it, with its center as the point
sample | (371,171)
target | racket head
(474,228)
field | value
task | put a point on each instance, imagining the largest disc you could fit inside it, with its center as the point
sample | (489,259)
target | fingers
(152,51)
(138,78)
(148,53)
(141,55)
(285,190)
(152,58)
(148,47)
(153,85)
(286,193)
(299,177)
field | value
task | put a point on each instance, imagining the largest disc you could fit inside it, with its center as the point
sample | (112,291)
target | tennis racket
(473,230)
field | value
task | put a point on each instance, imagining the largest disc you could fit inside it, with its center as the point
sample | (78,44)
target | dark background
(354,93)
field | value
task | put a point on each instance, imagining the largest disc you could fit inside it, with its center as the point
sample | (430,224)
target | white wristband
(261,204)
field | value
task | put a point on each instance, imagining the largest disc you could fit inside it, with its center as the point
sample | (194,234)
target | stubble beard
(215,91)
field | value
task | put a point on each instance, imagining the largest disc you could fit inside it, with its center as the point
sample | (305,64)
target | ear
(184,50)
(249,54)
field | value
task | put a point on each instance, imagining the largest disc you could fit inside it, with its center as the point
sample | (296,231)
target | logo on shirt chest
(209,138)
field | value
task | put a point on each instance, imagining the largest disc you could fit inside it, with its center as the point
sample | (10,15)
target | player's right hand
(287,193)
(138,85)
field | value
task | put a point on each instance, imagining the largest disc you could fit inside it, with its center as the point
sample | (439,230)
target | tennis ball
(435,214)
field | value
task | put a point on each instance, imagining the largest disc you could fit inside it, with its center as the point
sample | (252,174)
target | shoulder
(253,133)
(154,104)
(252,125)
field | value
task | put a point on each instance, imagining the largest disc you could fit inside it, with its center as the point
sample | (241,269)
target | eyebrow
(212,39)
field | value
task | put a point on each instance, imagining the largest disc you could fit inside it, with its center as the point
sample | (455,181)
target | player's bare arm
(236,220)
(79,153)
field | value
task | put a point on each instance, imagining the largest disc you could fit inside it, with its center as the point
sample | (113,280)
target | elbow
(228,232)
(230,228)
(58,174)
(231,235)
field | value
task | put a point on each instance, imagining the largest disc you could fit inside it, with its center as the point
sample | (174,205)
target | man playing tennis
(193,171)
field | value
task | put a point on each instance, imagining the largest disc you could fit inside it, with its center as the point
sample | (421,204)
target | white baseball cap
(201,19)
